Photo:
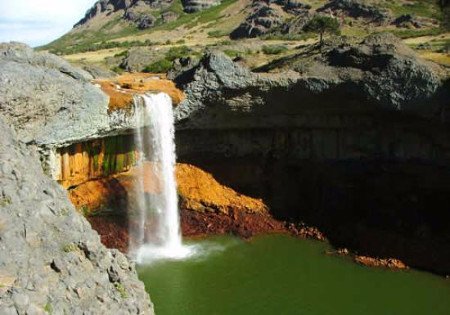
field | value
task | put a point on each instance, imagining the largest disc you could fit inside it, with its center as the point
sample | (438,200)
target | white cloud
(37,22)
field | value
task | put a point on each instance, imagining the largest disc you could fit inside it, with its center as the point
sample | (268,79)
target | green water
(283,275)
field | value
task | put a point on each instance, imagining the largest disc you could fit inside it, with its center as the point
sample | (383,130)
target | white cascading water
(155,232)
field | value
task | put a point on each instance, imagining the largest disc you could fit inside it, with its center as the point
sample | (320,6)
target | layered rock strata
(353,140)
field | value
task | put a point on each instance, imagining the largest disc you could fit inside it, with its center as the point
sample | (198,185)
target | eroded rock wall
(81,162)
(51,261)
(355,142)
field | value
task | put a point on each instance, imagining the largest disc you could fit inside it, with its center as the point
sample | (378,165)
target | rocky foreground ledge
(51,260)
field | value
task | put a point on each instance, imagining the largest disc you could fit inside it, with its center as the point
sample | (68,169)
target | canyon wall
(52,261)
(355,142)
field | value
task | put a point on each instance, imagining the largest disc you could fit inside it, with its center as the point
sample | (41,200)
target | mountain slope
(255,31)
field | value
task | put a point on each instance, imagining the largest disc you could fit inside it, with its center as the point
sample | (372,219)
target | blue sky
(38,22)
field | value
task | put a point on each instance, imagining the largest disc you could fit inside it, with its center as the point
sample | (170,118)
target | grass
(48,308)
(232,53)
(83,41)
(65,212)
(68,248)
(85,211)
(218,33)
(292,37)
(424,8)
(160,66)
(165,64)
(121,289)
(274,49)
(192,19)
(405,33)
(5,201)
(440,58)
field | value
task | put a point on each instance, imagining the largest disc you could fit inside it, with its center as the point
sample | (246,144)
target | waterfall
(155,231)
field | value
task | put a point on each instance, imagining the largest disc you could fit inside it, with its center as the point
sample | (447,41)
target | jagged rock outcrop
(142,20)
(191,6)
(380,70)
(137,58)
(392,74)
(294,6)
(142,12)
(409,21)
(356,9)
(136,11)
(264,18)
(51,261)
(104,6)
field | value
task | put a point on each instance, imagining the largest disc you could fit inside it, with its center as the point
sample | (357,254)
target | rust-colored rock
(200,192)
(121,89)
(239,223)
(95,159)
(390,263)
(206,206)
(118,98)
(305,231)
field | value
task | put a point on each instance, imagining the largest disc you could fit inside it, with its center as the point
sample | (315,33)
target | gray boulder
(46,99)
(98,72)
(191,6)
(51,261)
(262,20)
(138,58)
(392,74)
(356,9)
(411,21)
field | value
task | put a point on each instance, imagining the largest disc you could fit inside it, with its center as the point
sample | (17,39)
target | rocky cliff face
(51,261)
(133,10)
(353,140)
(281,16)
(54,105)
(142,13)
(375,75)
(356,9)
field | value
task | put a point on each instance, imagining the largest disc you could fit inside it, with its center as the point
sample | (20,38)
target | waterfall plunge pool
(274,274)
(278,274)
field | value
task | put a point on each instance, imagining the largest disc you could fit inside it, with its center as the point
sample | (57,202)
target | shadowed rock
(356,9)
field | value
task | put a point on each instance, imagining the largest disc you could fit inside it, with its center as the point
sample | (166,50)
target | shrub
(160,66)
(121,289)
(177,52)
(218,33)
(70,247)
(232,53)
(322,24)
(274,49)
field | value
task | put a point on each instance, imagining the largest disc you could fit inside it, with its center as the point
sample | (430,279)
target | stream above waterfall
(278,274)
